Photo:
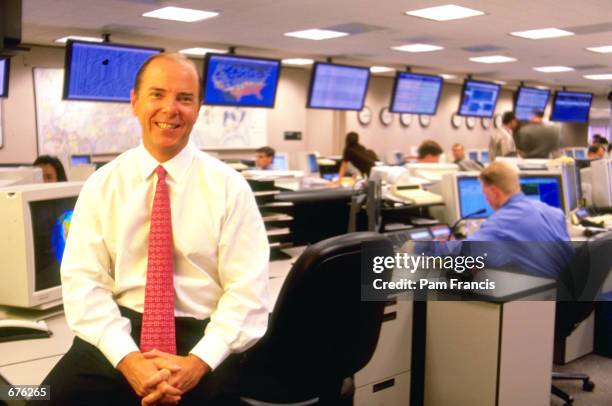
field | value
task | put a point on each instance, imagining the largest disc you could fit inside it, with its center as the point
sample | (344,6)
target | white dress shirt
(501,143)
(221,253)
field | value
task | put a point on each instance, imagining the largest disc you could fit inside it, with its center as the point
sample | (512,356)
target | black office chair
(579,286)
(320,331)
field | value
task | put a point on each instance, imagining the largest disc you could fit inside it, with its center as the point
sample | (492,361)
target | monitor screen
(102,72)
(478,98)
(544,188)
(473,155)
(569,153)
(339,87)
(280,163)
(76,160)
(5,65)
(529,100)
(440,233)
(571,106)
(484,157)
(580,153)
(50,224)
(471,198)
(313,166)
(232,80)
(416,93)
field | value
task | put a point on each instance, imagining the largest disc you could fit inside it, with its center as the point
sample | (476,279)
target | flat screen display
(76,160)
(338,87)
(313,165)
(546,189)
(571,107)
(471,198)
(529,100)
(580,153)
(5,65)
(478,98)
(50,224)
(231,80)
(102,72)
(416,93)
(280,163)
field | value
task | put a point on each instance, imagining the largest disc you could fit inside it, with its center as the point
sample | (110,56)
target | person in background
(362,158)
(599,139)
(502,140)
(52,168)
(610,150)
(596,151)
(537,140)
(264,158)
(429,152)
(464,164)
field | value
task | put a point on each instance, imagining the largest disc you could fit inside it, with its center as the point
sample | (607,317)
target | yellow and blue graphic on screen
(59,234)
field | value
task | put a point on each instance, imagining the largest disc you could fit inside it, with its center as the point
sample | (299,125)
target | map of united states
(239,81)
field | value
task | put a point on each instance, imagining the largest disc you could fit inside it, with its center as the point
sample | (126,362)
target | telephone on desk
(415,194)
(19,329)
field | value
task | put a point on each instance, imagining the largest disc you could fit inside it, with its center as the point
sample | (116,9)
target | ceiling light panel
(418,48)
(78,38)
(444,13)
(493,59)
(542,33)
(186,15)
(202,51)
(606,49)
(553,69)
(316,34)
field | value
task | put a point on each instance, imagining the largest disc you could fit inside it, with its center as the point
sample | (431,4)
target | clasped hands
(162,378)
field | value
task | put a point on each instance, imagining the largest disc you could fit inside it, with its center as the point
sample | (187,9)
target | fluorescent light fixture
(316,34)
(542,33)
(606,49)
(78,38)
(445,13)
(499,82)
(553,69)
(447,76)
(599,76)
(542,87)
(186,15)
(202,51)
(380,69)
(493,59)
(297,61)
(418,48)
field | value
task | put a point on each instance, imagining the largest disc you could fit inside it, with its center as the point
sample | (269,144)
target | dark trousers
(83,376)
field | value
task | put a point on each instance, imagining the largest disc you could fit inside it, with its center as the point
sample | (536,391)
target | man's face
(513,125)
(262,161)
(167,106)
(458,153)
(598,155)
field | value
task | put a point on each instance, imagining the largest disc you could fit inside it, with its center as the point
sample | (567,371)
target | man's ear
(133,101)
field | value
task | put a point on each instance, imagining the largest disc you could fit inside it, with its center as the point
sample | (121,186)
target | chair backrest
(320,327)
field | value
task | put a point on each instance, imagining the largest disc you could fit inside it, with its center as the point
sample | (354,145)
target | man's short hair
(429,147)
(508,117)
(267,151)
(538,113)
(502,175)
(180,58)
(457,144)
(594,148)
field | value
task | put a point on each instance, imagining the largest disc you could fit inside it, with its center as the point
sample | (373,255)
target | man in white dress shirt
(502,140)
(220,255)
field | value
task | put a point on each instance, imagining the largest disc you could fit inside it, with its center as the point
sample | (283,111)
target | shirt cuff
(212,350)
(115,345)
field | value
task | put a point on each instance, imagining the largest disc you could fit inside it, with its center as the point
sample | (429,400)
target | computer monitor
(102,71)
(21,175)
(242,81)
(484,157)
(571,107)
(440,232)
(473,155)
(76,160)
(580,153)
(544,186)
(339,87)
(569,152)
(34,225)
(529,100)
(478,98)
(281,161)
(313,165)
(416,93)
(5,68)
(601,182)
(471,199)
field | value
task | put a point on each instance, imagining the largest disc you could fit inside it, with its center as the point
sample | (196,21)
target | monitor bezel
(312,82)
(518,92)
(4,91)
(68,68)
(554,107)
(396,84)
(211,55)
(463,88)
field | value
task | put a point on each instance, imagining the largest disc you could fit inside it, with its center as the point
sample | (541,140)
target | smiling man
(164,275)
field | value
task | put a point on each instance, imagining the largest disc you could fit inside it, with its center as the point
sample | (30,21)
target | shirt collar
(514,198)
(175,167)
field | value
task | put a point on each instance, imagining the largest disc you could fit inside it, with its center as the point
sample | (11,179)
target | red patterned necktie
(158,317)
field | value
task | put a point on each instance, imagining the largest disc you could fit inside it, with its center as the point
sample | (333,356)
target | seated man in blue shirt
(531,236)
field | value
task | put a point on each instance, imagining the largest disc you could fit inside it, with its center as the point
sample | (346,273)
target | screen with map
(339,87)
(231,80)
(4,76)
(102,72)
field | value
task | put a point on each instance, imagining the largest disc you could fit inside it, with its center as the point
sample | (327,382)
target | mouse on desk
(19,329)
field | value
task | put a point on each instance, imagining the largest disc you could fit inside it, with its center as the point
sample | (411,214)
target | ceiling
(256,27)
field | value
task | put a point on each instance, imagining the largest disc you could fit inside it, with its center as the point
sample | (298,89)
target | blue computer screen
(546,189)
(4,76)
(571,106)
(569,153)
(440,233)
(80,160)
(530,100)
(338,87)
(420,235)
(478,98)
(232,80)
(416,94)
(313,166)
(471,198)
(484,157)
(280,163)
(473,155)
(103,72)
(580,153)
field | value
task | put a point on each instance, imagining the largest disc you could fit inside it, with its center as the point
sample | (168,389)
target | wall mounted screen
(571,107)
(102,72)
(231,80)
(416,93)
(338,87)
(478,98)
(5,65)
(529,100)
